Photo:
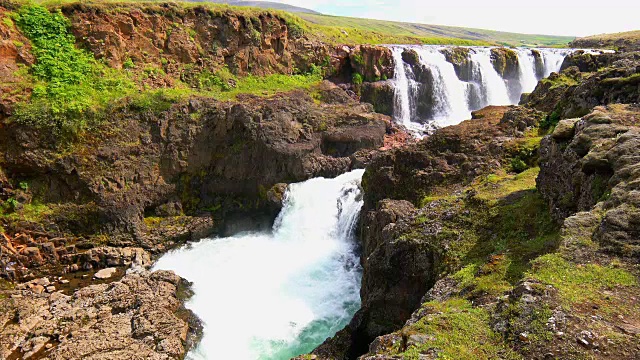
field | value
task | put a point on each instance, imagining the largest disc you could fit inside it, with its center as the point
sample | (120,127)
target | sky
(552,17)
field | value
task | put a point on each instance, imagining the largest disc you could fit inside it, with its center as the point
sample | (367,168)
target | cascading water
(402,81)
(449,98)
(527,70)
(449,94)
(492,85)
(275,296)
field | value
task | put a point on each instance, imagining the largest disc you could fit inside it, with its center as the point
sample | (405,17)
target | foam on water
(277,295)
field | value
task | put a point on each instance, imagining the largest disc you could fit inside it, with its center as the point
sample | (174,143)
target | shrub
(71,87)
(357,79)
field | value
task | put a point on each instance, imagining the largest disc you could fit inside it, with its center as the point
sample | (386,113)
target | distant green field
(423,31)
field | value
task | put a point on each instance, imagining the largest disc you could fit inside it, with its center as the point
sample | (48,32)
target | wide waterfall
(277,295)
(439,91)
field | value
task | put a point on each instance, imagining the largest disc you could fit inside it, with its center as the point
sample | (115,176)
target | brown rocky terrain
(137,317)
(478,245)
(511,235)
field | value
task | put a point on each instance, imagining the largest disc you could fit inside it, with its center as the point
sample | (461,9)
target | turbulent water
(277,295)
(452,98)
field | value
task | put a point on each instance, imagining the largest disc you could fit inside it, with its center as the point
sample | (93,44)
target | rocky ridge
(478,245)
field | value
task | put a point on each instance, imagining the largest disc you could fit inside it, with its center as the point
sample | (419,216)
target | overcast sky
(554,17)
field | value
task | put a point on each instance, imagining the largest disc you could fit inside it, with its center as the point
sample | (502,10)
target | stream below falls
(280,294)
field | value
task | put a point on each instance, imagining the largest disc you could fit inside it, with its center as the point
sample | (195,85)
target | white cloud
(560,17)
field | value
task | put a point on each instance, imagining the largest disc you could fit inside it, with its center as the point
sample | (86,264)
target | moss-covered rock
(380,94)
(505,61)
(461,59)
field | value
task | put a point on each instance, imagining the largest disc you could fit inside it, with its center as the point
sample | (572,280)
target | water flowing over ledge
(438,86)
(275,296)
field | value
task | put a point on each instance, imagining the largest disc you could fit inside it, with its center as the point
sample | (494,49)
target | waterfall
(527,70)
(402,109)
(277,295)
(491,84)
(449,93)
(445,95)
(553,59)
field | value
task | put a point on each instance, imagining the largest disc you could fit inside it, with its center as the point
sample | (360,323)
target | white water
(452,99)
(450,94)
(527,70)
(275,296)
(403,109)
(492,85)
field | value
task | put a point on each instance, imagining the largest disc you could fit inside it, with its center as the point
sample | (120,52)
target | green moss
(457,330)
(561,80)
(357,79)
(579,283)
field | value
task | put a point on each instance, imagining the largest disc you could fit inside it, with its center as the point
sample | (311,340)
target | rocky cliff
(511,235)
(195,129)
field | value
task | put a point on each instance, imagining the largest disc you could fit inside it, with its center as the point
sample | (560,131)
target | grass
(458,331)
(336,29)
(70,86)
(579,283)
(431,34)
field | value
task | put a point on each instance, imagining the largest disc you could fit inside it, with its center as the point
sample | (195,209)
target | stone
(565,129)
(105,273)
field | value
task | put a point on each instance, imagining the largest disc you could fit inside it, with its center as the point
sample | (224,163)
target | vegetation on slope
(430,33)
(347,30)
(72,90)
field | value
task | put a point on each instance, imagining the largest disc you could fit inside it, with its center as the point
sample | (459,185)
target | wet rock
(505,61)
(380,94)
(460,57)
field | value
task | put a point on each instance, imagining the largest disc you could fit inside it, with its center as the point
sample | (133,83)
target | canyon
(344,201)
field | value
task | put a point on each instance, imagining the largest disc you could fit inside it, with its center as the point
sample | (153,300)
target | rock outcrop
(573,92)
(200,154)
(138,317)
(593,160)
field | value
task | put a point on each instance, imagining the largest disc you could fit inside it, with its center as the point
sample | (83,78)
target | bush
(71,87)
(357,79)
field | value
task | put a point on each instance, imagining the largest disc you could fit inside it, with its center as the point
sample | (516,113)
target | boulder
(380,94)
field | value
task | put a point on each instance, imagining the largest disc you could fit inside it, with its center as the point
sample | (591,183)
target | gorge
(277,295)
(202,181)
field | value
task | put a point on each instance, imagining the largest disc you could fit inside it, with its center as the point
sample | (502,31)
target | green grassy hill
(347,30)
(434,31)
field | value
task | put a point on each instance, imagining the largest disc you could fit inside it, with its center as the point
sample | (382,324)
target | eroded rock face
(461,59)
(380,94)
(138,317)
(505,61)
(200,154)
(403,247)
(374,63)
(586,82)
(15,50)
(591,160)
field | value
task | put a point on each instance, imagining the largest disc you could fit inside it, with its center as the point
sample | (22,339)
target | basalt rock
(380,94)
(574,93)
(200,155)
(15,50)
(403,248)
(140,316)
(461,59)
(505,61)
(372,62)
(592,161)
